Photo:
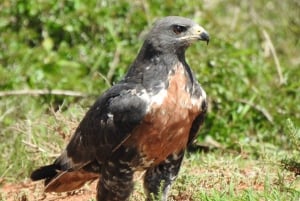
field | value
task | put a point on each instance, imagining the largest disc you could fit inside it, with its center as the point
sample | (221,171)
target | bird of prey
(142,123)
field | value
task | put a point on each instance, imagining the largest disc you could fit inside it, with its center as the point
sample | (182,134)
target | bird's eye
(178,29)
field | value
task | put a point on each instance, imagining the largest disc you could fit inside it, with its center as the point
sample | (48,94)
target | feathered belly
(166,127)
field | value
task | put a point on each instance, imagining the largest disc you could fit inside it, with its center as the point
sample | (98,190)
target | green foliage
(293,134)
(71,45)
(291,162)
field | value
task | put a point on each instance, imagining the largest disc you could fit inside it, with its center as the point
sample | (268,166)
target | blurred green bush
(70,44)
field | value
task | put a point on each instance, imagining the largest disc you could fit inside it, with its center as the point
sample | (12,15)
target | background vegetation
(250,71)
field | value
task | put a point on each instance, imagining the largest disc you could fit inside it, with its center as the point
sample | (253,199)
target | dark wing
(197,123)
(103,129)
(108,122)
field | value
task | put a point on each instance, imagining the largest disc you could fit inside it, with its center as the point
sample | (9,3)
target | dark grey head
(174,34)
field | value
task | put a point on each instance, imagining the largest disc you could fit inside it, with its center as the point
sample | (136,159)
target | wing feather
(106,125)
(108,122)
(197,123)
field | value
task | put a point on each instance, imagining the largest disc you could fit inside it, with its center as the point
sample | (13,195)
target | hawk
(142,123)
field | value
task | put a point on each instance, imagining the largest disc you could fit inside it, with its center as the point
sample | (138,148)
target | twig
(260,109)
(38,92)
(105,79)
(34,146)
(273,52)
(114,64)
(9,110)
(257,21)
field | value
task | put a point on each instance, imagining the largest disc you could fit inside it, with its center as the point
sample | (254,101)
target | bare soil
(33,191)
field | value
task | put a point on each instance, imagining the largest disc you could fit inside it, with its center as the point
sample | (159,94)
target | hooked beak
(204,36)
(195,33)
(199,33)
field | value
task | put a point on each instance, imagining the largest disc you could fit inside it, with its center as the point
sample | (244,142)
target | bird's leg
(158,179)
(116,181)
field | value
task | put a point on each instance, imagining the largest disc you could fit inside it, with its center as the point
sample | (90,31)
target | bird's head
(174,34)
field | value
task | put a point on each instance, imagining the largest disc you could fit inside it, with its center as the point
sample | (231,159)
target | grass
(219,175)
(232,176)
(250,71)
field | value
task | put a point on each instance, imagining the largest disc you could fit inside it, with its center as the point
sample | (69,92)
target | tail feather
(70,180)
(63,175)
(48,172)
(45,172)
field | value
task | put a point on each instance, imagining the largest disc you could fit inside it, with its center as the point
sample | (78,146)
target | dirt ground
(33,191)
(247,177)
